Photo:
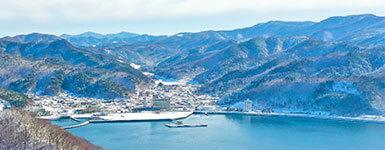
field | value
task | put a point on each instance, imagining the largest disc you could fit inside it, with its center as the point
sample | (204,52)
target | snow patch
(179,82)
(121,61)
(135,66)
(240,105)
(148,73)
(327,36)
(173,82)
(239,36)
(346,87)
(147,116)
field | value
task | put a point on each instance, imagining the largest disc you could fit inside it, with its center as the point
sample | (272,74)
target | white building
(209,108)
(248,106)
(161,103)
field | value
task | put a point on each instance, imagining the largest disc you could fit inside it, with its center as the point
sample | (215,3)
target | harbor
(123,117)
(174,116)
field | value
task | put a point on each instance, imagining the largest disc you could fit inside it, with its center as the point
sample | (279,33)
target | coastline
(115,117)
(121,117)
(367,118)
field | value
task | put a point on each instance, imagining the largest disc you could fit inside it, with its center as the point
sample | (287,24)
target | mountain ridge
(335,65)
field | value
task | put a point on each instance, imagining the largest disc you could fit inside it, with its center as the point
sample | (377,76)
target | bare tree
(21,130)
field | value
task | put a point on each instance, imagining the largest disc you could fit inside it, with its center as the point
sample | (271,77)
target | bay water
(236,132)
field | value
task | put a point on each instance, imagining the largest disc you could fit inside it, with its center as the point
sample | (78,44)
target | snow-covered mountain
(334,66)
(54,66)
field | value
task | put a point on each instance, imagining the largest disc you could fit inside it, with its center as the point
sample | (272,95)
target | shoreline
(121,117)
(374,119)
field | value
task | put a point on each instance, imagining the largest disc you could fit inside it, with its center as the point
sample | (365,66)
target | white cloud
(99,10)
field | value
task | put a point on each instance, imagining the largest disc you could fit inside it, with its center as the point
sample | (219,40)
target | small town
(162,97)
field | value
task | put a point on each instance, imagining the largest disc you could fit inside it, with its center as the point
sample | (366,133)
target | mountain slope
(62,50)
(14,98)
(33,37)
(50,75)
(203,65)
(340,28)
(149,51)
(340,83)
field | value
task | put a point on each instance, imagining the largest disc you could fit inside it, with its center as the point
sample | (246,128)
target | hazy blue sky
(166,16)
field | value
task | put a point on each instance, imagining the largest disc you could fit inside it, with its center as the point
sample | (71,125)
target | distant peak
(126,33)
(122,34)
(36,34)
(98,35)
(352,17)
(89,33)
(366,15)
(85,34)
(32,37)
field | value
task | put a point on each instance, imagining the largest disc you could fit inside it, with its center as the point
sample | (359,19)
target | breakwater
(78,125)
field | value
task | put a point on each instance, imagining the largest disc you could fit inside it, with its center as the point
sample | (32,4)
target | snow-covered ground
(135,66)
(49,117)
(178,82)
(121,61)
(148,74)
(80,116)
(147,116)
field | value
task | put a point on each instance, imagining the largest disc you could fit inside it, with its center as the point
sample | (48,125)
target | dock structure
(75,119)
(185,125)
(78,125)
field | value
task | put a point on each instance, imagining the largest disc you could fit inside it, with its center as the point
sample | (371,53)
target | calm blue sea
(236,132)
